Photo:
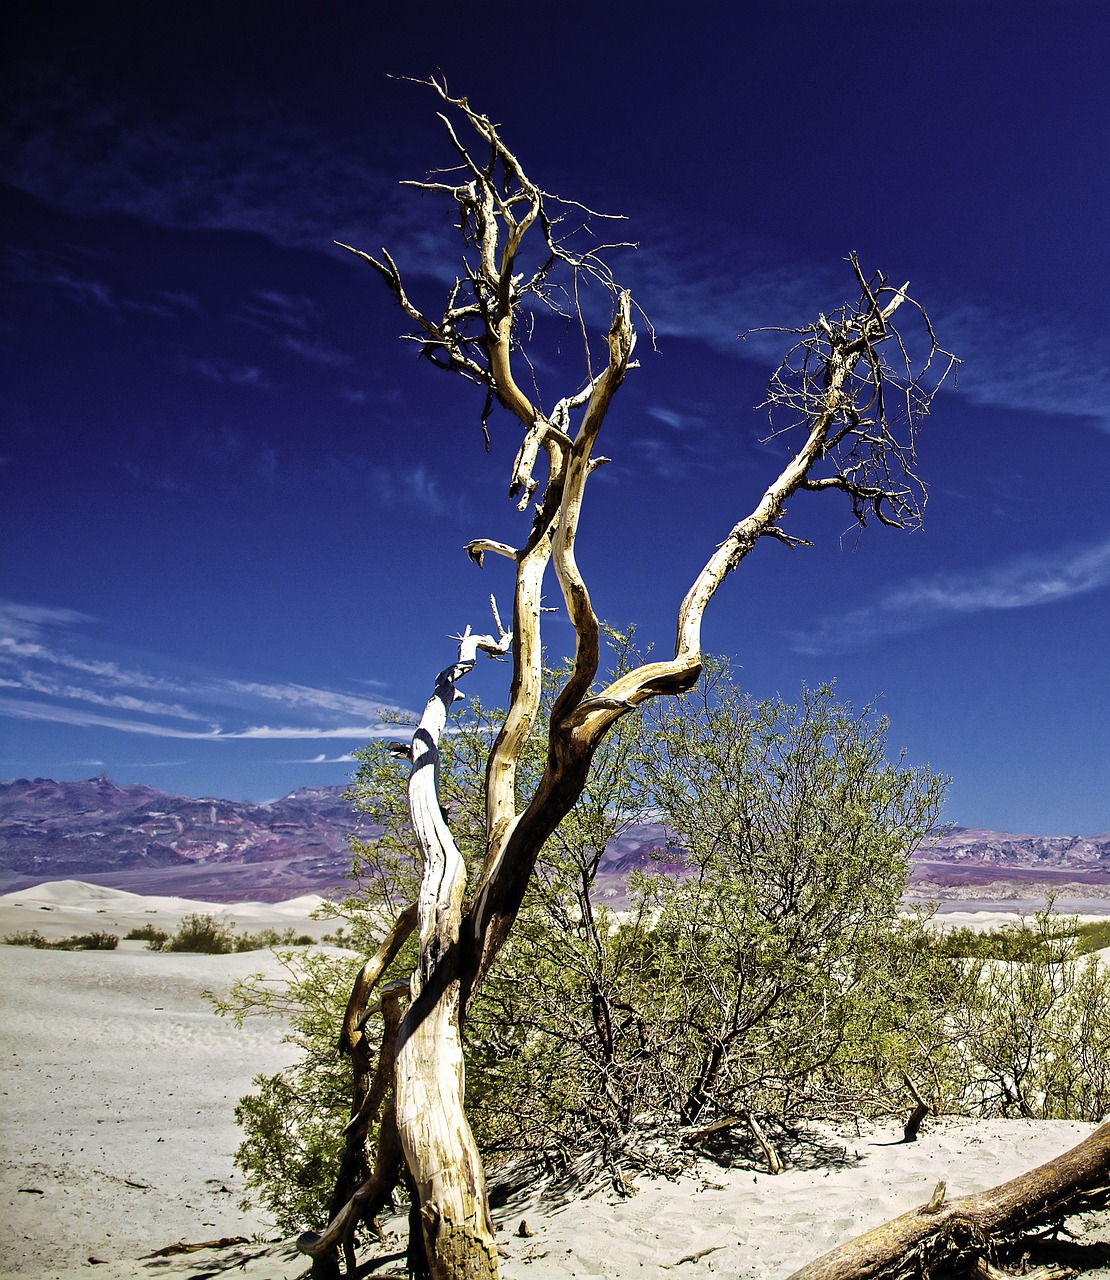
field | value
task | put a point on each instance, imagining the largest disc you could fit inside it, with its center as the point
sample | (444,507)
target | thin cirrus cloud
(80,717)
(43,678)
(265,170)
(346,758)
(1046,364)
(1021,583)
(396,486)
(228,373)
(63,271)
(259,168)
(292,322)
(1011,357)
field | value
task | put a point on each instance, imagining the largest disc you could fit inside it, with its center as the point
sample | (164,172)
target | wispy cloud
(1021,583)
(65,274)
(248,166)
(1028,361)
(693,294)
(228,373)
(79,716)
(46,677)
(292,321)
(676,419)
(346,758)
(259,168)
(397,486)
(1013,356)
(317,351)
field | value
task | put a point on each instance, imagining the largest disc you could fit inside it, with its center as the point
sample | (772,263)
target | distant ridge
(138,838)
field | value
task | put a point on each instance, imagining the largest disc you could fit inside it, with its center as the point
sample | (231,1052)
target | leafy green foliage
(1093,935)
(209,935)
(293,1122)
(202,933)
(764,971)
(1027,1033)
(761,970)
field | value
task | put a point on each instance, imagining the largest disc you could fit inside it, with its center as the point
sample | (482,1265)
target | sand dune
(117,1097)
(59,908)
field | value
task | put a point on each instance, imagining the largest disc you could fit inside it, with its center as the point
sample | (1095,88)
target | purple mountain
(148,841)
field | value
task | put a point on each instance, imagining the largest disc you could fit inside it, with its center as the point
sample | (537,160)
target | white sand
(117,1099)
(118,1087)
(60,908)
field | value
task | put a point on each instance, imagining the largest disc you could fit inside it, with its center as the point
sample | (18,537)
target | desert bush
(269,938)
(26,938)
(77,942)
(761,970)
(1092,936)
(1029,1034)
(95,941)
(764,972)
(208,934)
(291,1143)
(153,937)
(202,933)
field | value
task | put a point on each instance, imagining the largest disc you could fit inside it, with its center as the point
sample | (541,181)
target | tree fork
(827,393)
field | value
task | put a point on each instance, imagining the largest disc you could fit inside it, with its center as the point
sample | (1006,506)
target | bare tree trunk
(938,1232)
(832,395)
(439,1147)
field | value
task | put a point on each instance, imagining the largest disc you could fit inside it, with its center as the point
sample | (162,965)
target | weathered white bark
(497,205)
(439,1147)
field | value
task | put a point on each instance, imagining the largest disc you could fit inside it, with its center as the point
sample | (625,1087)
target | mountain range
(138,838)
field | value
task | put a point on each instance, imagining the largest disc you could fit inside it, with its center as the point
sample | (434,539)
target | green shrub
(1029,1036)
(92,942)
(202,933)
(770,977)
(1093,936)
(76,942)
(270,938)
(154,938)
(26,938)
(212,936)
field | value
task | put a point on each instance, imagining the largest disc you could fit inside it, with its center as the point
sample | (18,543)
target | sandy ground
(118,1137)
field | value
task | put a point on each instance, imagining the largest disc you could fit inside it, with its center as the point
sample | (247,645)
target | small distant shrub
(92,942)
(1017,942)
(26,938)
(1093,936)
(272,938)
(77,942)
(204,934)
(1012,942)
(154,938)
(216,937)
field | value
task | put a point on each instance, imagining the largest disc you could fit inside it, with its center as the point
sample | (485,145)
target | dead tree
(850,401)
(965,1230)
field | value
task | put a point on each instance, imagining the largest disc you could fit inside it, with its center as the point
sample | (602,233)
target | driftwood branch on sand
(965,1229)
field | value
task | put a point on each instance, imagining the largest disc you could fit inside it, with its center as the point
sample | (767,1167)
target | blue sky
(234,504)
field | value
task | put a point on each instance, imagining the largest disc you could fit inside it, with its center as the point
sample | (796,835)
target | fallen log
(964,1229)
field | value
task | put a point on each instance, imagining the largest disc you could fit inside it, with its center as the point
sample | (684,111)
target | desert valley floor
(117,1094)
